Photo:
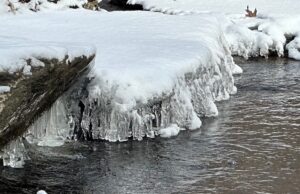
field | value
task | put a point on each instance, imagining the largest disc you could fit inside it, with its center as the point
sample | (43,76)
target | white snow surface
(276,19)
(170,131)
(15,49)
(37,5)
(220,6)
(141,54)
(4,89)
(41,192)
(252,37)
(294,47)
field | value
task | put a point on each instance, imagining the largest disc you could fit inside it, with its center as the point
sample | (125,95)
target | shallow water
(252,147)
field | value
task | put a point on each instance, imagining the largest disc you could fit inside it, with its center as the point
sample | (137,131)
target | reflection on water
(252,147)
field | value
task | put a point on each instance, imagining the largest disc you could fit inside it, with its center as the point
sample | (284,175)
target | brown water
(252,147)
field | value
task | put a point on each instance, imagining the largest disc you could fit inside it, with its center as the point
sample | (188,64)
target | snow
(154,73)
(294,48)
(14,50)
(247,37)
(181,61)
(252,37)
(224,6)
(170,131)
(41,192)
(4,89)
(142,58)
(51,129)
(38,5)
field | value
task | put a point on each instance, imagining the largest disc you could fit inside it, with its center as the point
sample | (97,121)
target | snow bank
(143,57)
(294,48)
(252,37)
(224,6)
(151,70)
(14,51)
(267,34)
(168,70)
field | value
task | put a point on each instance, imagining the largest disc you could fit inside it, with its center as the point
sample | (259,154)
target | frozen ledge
(96,114)
(159,74)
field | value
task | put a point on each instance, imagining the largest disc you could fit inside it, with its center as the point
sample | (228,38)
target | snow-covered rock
(15,51)
(151,71)
(266,34)
(262,36)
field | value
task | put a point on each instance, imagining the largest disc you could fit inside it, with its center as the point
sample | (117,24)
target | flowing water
(252,147)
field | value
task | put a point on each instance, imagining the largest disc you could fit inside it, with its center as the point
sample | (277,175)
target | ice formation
(294,48)
(170,131)
(154,74)
(14,51)
(51,128)
(14,154)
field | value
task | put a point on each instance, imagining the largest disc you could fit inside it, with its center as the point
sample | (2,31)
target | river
(252,147)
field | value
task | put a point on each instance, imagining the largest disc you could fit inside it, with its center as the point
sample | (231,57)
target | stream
(253,146)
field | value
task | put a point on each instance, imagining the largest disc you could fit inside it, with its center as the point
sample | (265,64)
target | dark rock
(113,5)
